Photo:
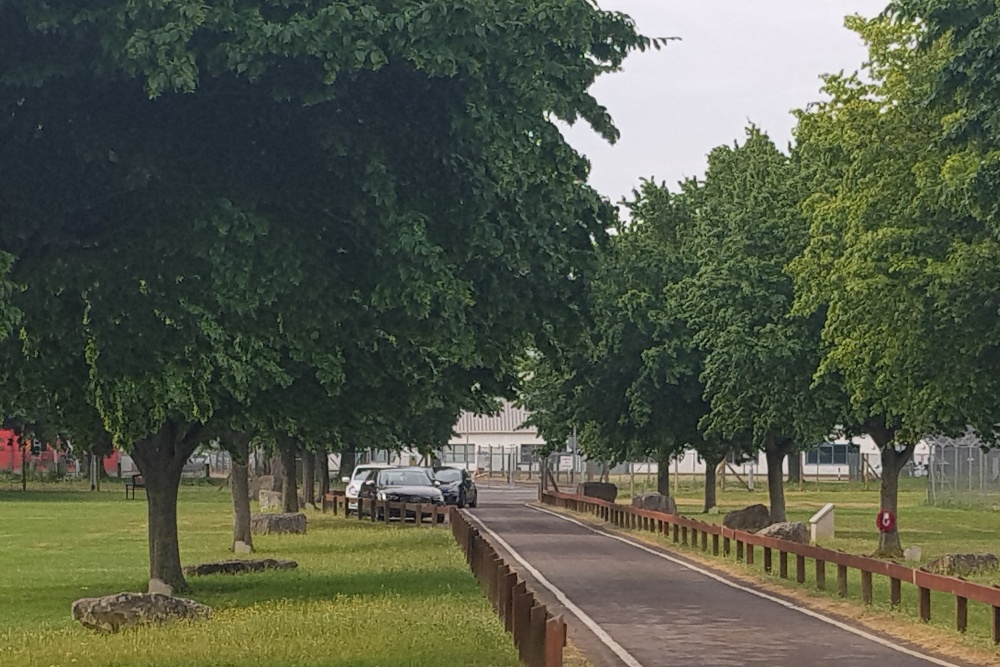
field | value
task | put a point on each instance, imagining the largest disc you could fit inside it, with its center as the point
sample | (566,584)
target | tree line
(847,285)
(325,224)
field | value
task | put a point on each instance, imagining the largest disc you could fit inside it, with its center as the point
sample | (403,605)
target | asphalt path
(631,604)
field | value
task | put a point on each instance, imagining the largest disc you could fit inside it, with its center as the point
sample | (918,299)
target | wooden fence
(538,635)
(719,539)
(370,509)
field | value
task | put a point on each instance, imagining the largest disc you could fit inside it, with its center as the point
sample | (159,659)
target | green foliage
(759,357)
(344,219)
(897,257)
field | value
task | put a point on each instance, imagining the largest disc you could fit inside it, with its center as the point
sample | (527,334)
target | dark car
(457,486)
(403,485)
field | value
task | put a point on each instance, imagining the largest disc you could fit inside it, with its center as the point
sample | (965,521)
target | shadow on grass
(248,590)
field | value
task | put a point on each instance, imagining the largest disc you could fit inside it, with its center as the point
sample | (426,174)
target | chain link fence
(961,472)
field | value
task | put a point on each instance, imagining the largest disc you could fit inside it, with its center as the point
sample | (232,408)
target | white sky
(738,61)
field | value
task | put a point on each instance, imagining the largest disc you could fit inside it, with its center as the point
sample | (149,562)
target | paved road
(656,612)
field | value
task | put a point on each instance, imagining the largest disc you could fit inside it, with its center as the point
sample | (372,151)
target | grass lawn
(363,595)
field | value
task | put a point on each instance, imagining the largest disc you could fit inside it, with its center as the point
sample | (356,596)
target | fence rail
(538,635)
(719,539)
(370,509)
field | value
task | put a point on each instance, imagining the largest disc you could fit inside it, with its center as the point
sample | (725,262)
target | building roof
(509,420)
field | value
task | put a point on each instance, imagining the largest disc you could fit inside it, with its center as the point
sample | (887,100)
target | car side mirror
(345,480)
(369,482)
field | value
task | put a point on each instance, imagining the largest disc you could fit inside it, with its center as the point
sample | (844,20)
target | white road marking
(784,603)
(590,624)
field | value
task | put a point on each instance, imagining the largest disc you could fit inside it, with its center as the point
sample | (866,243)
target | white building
(493,443)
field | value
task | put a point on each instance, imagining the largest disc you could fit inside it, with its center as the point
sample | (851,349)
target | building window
(830,453)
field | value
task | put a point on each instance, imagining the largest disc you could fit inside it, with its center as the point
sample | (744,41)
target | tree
(194,181)
(632,382)
(895,268)
(759,358)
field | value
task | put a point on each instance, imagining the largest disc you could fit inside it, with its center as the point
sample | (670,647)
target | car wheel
(461,499)
(475,501)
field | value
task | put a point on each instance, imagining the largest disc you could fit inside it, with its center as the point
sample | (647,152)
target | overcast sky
(738,61)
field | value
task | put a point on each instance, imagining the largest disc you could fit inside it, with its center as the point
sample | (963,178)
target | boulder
(790,531)
(962,564)
(239,566)
(159,586)
(262,524)
(241,547)
(656,502)
(599,490)
(270,500)
(751,519)
(126,610)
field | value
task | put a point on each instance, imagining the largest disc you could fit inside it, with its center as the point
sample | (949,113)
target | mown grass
(363,595)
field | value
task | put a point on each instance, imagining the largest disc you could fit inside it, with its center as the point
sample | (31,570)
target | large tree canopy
(217,209)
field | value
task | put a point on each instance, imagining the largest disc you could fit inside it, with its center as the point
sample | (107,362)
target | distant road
(631,604)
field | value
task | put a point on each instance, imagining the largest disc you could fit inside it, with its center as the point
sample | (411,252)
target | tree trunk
(711,470)
(889,544)
(794,467)
(160,458)
(240,451)
(663,471)
(289,489)
(775,451)
(309,476)
(323,468)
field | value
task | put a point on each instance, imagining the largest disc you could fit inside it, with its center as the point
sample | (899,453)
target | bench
(137,482)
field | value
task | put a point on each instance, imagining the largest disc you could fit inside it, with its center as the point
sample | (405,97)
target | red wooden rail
(698,534)
(538,635)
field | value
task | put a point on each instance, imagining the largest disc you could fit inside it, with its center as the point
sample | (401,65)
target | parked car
(457,486)
(353,482)
(404,485)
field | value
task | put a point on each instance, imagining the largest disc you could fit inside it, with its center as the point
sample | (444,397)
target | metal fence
(961,472)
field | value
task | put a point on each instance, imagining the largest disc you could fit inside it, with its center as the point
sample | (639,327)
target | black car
(403,485)
(457,486)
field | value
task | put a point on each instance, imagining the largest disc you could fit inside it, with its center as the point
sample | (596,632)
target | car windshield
(403,478)
(361,473)
(448,475)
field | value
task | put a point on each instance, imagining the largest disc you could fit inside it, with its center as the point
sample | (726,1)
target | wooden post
(995,629)
(510,583)
(821,574)
(842,580)
(782,564)
(961,613)
(895,592)
(726,546)
(715,544)
(704,541)
(739,549)
(800,569)
(767,559)
(536,642)
(866,587)
(555,641)
(925,604)
(684,535)
(749,553)
(518,601)
(418,514)
(677,533)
